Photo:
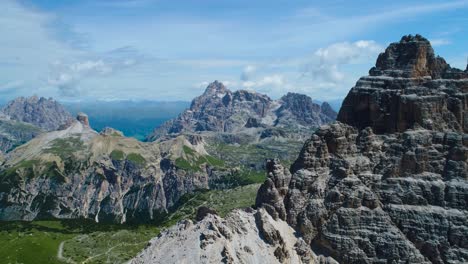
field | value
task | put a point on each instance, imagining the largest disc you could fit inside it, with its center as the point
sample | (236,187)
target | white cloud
(273,85)
(11,86)
(326,62)
(440,42)
(248,72)
(67,76)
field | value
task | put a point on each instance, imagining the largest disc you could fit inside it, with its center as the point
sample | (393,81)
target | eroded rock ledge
(389,183)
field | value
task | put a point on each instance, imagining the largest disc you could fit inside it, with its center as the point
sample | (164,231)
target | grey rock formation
(389,183)
(221,110)
(44,113)
(78,173)
(83,119)
(14,133)
(299,109)
(109,131)
(409,87)
(242,237)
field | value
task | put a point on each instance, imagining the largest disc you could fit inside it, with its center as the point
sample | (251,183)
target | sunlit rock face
(409,87)
(221,110)
(45,113)
(388,183)
(242,237)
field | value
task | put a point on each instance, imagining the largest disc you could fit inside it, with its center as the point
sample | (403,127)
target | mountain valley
(241,178)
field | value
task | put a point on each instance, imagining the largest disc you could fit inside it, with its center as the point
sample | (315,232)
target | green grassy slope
(87,242)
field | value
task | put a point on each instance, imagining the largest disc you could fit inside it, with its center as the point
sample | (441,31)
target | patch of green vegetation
(240,177)
(136,158)
(85,240)
(222,201)
(194,162)
(188,150)
(117,155)
(185,165)
(28,169)
(12,176)
(214,161)
(39,241)
(255,154)
(65,147)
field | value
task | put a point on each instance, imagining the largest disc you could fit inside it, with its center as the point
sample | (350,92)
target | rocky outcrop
(83,119)
(299,109)
(109,131)
(389,182)
(79,173)
(242,237)
(221,110)
(41,112)
(14,133)
(409,87)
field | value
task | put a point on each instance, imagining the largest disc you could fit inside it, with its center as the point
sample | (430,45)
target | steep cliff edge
(409,87)
(388,183)
(79,173)
(242,237)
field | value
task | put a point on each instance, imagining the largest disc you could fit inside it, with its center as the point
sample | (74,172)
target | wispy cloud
(160,49)
(326,62)
(11,86)
(440,42)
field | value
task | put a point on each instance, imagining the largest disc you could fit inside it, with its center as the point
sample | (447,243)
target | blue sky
(170,50)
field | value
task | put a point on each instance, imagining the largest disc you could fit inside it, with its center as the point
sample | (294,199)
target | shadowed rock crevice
(410,87)
(388,183)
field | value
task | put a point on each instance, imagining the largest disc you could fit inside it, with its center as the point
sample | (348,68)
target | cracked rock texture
(79,173)
(242,237)
(388,183)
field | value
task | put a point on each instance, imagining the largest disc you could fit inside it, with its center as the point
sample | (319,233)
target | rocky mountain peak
(395,97)
(300,108)
(412,57)
(389,181)
(83,119)
(45,113)
(216,87)
(220,110)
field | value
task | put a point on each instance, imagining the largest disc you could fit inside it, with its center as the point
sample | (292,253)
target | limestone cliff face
(242,237)
(79,173)
(409,87)
(220,110)
(388,183)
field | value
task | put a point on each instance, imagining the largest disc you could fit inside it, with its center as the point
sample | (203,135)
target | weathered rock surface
(79,173)
(409,87)
(41,112)
(242,237)
(109,131)
(221,110)
(299,109)
(389,183)
(14,133)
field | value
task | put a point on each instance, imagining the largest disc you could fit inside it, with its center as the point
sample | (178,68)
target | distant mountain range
(134,118)
(221,110)
(386,183)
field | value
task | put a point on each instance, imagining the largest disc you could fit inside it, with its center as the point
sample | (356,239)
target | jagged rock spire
(216,87)
(412,57)
(83,119)
(434,98)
